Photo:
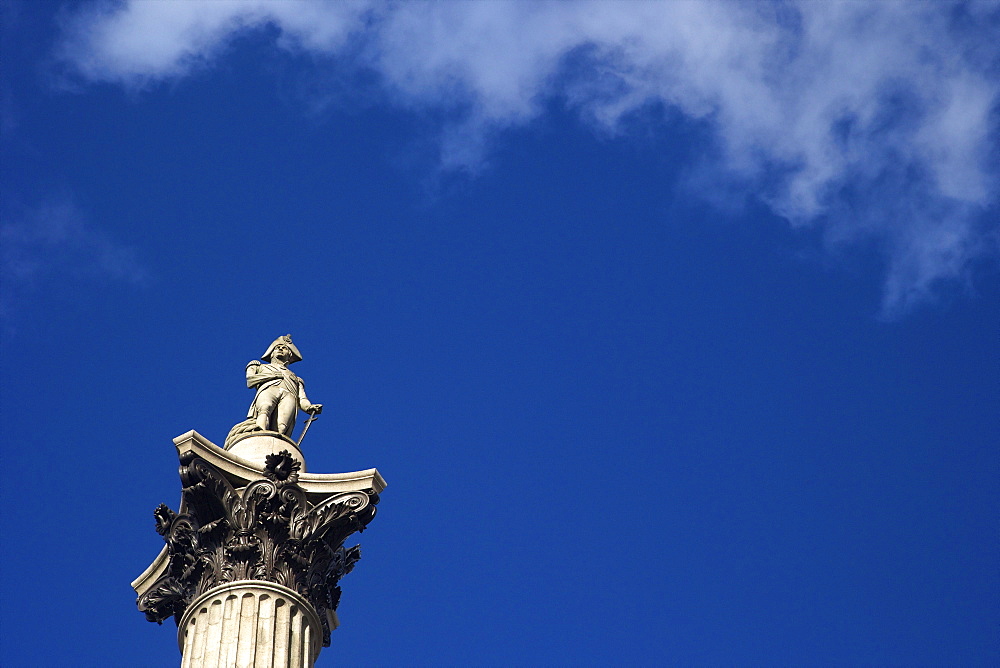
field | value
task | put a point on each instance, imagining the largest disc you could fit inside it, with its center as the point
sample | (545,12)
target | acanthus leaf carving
(267,530)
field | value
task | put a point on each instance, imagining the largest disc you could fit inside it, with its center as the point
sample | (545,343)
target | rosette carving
(267,530)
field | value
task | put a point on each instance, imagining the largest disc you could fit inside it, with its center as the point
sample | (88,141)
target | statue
(280,393)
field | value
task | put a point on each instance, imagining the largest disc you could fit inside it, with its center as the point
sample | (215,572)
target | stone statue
(280,393)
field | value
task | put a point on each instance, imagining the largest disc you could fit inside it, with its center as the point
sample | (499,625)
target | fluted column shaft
(249,624)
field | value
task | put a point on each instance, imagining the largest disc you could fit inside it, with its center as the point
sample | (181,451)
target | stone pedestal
(255,447)
(248,624)
(254,556)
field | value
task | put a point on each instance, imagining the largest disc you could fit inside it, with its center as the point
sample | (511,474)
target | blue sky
(673,327)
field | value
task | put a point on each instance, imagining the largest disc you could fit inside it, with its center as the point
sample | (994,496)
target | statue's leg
(264,407)
(287,406)
(285,413)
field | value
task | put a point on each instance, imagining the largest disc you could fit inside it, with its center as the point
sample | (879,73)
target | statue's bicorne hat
(287,340)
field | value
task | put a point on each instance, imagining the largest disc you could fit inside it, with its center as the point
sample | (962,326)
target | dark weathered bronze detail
(267,530)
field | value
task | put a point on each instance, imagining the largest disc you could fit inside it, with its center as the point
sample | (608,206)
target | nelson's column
(254,554)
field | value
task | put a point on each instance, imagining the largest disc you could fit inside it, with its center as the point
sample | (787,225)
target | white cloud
(873,120)
(52,243)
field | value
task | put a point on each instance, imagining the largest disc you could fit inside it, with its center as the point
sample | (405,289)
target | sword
(312,416)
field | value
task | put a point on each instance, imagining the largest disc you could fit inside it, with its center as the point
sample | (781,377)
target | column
(249,624)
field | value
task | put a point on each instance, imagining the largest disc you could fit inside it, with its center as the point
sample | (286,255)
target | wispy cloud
(47,244)
(874,121)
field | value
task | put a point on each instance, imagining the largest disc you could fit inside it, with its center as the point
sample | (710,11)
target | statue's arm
(254,375)
(304,402)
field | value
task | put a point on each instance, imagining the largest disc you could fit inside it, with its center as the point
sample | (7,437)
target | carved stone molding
(268,530)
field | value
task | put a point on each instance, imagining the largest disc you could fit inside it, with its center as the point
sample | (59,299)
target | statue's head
(285,345)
